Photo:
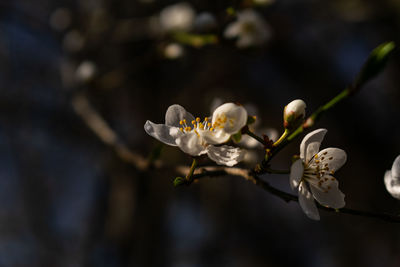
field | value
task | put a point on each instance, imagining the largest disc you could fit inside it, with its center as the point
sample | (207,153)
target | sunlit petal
(392,184)
(396,168)
(229,117)
(327,192)
(215,137)
(162,132)
(332,158)
(307,203)
(311,143)
(225,155)
(296,173)
(192,144)
(175,114)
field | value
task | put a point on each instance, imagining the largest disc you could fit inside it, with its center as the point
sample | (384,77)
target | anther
(198,119)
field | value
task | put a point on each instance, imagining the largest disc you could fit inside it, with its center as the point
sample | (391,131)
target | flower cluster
(198,137)
(312,175)
(248,28)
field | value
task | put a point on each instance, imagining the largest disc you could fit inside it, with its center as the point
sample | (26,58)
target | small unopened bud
(375,64)
(293,114)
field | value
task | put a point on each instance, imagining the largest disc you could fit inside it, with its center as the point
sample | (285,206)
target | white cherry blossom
(312,175)
(392,179)
(250,29)
(227,120)
(196,137)
(177,17)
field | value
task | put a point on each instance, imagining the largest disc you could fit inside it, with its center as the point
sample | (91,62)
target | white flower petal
(307,202)
(215,137)
(310,144)
(232,30)
(392,184)
(175,113)
(296,173)
(191,144)
(215,103)
(332,158)
(229,117)
(177,17)
(162,132)
(250,28)
(396,168)
(327,193)
(225,155)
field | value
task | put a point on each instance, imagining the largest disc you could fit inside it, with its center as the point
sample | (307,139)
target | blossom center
(318,173)
(196,126)
(221,121)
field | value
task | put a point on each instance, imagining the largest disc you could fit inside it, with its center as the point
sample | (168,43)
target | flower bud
(293,114)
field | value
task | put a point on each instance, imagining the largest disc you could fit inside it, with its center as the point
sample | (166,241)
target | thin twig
(100,127)
(255,179)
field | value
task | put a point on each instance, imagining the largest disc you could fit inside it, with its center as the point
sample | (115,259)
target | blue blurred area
(67,199)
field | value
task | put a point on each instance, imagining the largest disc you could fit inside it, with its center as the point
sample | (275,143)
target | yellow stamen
(193,122)
(198,119)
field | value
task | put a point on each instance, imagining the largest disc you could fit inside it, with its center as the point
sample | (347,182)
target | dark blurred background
(67,199)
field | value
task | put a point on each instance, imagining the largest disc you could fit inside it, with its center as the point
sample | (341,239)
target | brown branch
(99,126)
(255,179)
